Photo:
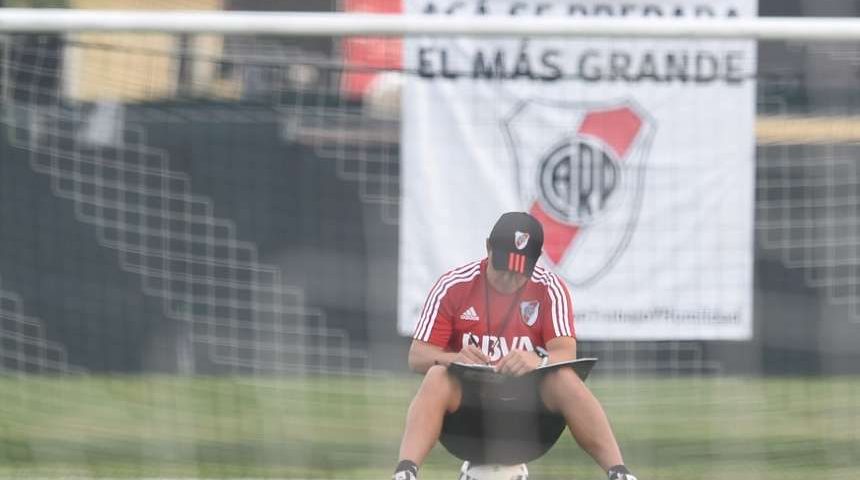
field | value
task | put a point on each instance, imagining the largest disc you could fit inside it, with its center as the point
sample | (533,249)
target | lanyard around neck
(506,319)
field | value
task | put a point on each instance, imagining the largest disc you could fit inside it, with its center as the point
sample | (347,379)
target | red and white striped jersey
(463,307)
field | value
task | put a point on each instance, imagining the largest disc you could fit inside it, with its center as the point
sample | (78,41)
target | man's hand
(518,362)
(471,354)
(620,472)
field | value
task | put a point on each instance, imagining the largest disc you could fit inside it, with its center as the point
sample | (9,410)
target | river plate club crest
(581,172)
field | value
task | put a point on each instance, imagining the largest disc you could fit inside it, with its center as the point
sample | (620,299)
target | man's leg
(562,391)
(440,393)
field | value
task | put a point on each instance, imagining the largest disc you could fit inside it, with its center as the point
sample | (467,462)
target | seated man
(507,312)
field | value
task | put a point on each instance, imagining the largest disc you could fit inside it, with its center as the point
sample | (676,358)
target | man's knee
(442,386)
(560,386)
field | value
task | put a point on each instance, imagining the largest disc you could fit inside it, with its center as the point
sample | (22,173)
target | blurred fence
(208,204)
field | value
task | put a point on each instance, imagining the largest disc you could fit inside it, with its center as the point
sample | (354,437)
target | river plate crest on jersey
(581,172)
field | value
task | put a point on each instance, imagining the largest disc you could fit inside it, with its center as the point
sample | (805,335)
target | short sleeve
(435,324)
(558,310)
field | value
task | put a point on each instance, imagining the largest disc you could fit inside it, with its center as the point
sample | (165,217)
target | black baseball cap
(516,242)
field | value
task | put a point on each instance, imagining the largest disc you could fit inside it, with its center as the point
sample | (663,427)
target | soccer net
(222,215)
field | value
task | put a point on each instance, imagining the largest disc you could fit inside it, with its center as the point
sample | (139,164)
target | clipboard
(481,373)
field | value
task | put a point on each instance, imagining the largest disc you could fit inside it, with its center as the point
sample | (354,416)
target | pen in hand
(474,341)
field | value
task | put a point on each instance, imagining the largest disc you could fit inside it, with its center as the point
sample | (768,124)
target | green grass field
(669,428)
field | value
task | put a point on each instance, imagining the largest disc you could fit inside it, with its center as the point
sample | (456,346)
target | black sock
(407,465)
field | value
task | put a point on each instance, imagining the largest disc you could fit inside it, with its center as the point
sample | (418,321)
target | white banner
(636,155)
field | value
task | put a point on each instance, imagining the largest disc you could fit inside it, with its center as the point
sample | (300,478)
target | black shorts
(501,423)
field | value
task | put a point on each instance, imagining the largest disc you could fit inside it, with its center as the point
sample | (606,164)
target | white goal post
(347,24)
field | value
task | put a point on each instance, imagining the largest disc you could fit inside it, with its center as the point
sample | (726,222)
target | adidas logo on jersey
(470,314)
